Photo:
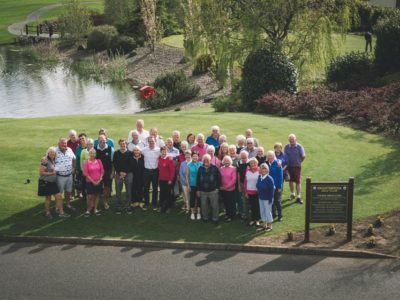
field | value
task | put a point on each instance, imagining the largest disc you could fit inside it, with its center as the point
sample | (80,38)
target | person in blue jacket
(266,189)
(276,172)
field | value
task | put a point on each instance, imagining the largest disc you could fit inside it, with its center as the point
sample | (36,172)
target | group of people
(205,172)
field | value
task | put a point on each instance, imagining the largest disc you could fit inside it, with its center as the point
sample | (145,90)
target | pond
(34,89)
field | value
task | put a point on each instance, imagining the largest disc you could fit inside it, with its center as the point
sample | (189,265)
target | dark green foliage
(350,71)
(387,50)
(123,44)
(134,27)
(266,70)
(172,88)
(101,37)
(168,12)
(203,64)
(226,104)
(365,16)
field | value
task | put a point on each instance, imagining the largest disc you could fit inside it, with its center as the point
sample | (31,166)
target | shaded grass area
(333,153)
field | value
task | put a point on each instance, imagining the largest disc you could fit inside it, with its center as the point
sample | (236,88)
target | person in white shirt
(151,155)
(135,141)
(143,134)
(158,139)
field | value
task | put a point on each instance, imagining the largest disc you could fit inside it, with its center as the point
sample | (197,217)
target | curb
(194,246)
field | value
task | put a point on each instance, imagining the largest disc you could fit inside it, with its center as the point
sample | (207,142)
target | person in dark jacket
(123,176)
(276,172)
(137,163)
(265,189)
(105,153)
(208,183)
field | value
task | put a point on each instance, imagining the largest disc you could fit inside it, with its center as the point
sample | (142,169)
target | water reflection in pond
(32,89)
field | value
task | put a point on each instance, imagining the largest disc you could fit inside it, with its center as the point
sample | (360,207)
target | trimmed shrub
(370,109)
(203,64)
(226,104)
(365,16)
(123,44)
(101,37)
(387,50)
(350,71)
(265,71)
(172,88)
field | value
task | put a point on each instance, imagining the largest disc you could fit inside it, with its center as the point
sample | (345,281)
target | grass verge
(333,153)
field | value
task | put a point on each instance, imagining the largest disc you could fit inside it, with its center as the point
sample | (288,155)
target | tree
(74,22)
(301,29)
(118,12)
(148,12)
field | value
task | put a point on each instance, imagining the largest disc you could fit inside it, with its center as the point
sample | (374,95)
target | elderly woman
(48,184)
(281,157)
(200,147)
(184,148)
(208,183)
(223,151)
(250,187)
(214,160)
(182,179)
(93,171)
(233,155)
(250,148)
(213,139)
(191,139)
(191,181)
(249,134)
(137,166)
(166,175)
(135,141)
(176,137)
(228,185)
(265,189)
(261,157)
(276,172)
(240,143)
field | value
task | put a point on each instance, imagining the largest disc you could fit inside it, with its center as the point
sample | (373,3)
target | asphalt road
(50,271)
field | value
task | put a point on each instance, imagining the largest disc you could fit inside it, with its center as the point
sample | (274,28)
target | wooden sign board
(329,202)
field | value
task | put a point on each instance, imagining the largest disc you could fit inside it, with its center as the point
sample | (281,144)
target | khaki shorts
(65,183)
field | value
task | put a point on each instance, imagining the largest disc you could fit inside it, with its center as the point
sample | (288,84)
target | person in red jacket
(166,175)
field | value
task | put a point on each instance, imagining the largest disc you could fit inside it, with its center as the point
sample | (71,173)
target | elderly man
(73,141)
(208,183)
(135,141)
(200,147)
(295,155)
(150,175)
(143,134)
(65,168)
(105,153)
(176,138)
(109,142)
(241,168)
(249,134)
(250,147)
(158,139)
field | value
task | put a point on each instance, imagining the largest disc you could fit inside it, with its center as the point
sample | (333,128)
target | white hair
(140,121)
(206,156)
(137,147)
(72,132)
(176,132)
(51,149)
(253,159)
(232,147)
(264,166)
(211,148)
(250,140)
(215,127)
(240,138)
(135,132)
(244,152)
(228,158)
(271,153)
(200,135)
(292,135)
(90,141)
(185,143)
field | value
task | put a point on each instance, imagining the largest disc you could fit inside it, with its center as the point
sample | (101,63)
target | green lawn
(333,153)
(53,14)
(12,11)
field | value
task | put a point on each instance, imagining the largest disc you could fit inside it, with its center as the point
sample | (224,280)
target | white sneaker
(198,217)
(192,216)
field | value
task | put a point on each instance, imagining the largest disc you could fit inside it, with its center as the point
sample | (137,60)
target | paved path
(19,28)
(51,271)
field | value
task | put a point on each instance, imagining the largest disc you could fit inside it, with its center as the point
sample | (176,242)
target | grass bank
(333,153)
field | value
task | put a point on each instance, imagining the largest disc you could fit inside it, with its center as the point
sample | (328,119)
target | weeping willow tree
(309,32)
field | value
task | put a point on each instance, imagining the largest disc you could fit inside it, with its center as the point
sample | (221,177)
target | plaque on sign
(329,202)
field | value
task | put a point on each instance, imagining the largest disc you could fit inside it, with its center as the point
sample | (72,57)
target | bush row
(370,109)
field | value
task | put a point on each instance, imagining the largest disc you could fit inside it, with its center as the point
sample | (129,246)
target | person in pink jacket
(93,171)
(166,175)
(228,184)
(250,187)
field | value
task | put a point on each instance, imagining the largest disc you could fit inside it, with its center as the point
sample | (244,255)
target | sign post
(329,202)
